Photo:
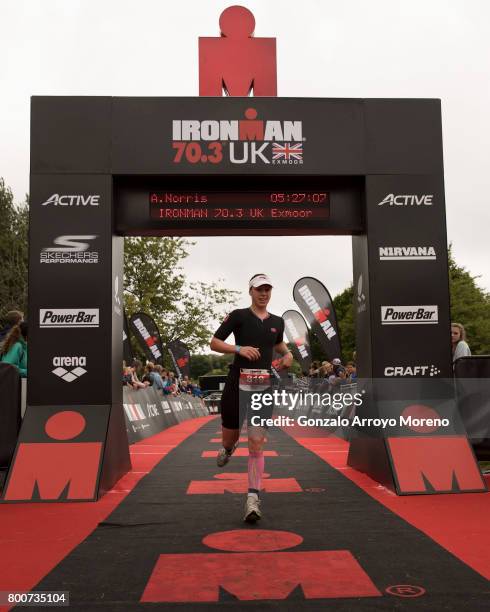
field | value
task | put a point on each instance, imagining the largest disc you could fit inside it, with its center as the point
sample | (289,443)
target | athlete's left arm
(282,349)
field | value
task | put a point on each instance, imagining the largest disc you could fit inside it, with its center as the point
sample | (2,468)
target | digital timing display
(237,206)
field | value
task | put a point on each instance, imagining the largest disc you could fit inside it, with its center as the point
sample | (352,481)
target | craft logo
(150,340)
(425,253)
(320,314)
(72,200)
(239,141)
(361,298)
(152,410)
(70,250)
(298,340)
(424,370)
(76,364)
(406,200)
(68,317)
(409,315)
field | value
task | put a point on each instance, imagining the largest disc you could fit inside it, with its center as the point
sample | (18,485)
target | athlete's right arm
(249,352)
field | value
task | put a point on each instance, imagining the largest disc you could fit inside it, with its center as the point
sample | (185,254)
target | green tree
(344,308)
(14,221)
(470,305)
(154,283)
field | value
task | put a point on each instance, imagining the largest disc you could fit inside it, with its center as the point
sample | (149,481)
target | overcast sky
(325,48)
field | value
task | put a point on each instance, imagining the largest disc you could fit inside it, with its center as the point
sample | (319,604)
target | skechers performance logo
(70,317)
(406,200)
(72,200)
(409,315)
(76,365)
(70,250)
(426,253)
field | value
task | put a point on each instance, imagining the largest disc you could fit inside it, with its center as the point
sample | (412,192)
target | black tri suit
(249,330)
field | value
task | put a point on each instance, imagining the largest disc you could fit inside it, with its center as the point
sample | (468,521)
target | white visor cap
(259,280)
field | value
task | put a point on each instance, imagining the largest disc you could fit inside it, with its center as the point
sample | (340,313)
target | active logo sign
(241,141)
(77,365)
(406,200)
(423,370)
(425,253)
(409,315)
(70,249)
(72,200)
(68,317)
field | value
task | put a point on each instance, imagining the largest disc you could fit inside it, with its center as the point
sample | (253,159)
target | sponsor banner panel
(315,303)
(147,412)
(181,358)
(146,332)
(260,135)
(297,335)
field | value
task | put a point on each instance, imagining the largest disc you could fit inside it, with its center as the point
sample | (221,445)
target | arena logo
(70,250)
(298,340)
(409,315)
(242,141)
(68,317)
(406,200)
(425,253)
(148,338)
(72,200)
(320,314)
(424,370)
(76,364)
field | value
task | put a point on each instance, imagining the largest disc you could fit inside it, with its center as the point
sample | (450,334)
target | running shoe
(224,455)
(252,509)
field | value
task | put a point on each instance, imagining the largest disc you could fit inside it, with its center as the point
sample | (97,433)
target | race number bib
(254,380)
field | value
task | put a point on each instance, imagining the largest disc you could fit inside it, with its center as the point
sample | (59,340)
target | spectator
(136,382)
(351,371)
(127,376)
(458,341)
(12,318)
(14,349)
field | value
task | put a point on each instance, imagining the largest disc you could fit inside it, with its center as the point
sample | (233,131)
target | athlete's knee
(256,443)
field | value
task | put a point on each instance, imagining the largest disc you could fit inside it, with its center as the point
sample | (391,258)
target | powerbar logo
(240,141)
(423,370)
(298,340)
(71,317)
(406,200)
(408,315)
(407,253)
(148,338)
(320,314)
(77,365)
(70,250)
(72,200)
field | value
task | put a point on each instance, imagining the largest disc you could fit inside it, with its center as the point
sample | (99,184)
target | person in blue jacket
(14,349)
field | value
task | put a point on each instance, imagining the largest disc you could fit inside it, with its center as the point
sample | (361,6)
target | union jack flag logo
(287,151)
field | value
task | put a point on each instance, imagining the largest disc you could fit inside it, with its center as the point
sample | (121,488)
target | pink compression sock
(255,470)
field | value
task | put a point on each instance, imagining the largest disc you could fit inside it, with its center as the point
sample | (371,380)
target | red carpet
(459,523)
(34,538)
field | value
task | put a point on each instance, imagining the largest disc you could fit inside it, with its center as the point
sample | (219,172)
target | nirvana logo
(239,141)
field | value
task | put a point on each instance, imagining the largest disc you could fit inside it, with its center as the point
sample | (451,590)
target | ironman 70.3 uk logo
(240,141)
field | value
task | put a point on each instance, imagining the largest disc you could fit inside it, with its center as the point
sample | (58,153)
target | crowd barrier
(472,381)
(149,412)
(10,411)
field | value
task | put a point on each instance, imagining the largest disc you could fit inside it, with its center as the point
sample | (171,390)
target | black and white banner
(146,333)
(297,335)
(181,358)
(315,303)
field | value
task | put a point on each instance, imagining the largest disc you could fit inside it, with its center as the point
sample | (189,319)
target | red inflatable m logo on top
(236,63)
